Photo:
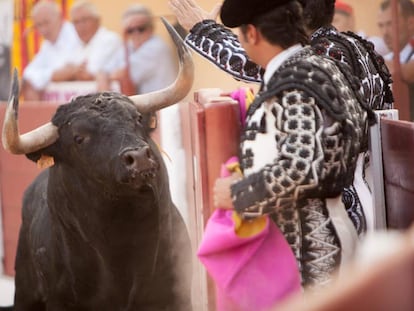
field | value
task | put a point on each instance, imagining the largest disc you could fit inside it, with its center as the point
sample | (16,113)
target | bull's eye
(78,139)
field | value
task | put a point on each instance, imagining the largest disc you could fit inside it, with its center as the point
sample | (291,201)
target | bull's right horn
(157,100)
(13,142)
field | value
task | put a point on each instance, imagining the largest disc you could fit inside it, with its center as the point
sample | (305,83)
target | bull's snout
(139,163)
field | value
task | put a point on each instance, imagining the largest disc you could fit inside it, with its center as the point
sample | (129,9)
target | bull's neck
(85,209)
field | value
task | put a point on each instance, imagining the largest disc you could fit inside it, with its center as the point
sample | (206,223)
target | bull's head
(47,134)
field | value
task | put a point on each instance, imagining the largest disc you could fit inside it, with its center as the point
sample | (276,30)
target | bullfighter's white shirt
(278,60)
(51,56)
(152,66)
(98,51)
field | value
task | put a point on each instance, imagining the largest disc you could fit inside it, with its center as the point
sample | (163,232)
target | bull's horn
(172,94)
(15,143)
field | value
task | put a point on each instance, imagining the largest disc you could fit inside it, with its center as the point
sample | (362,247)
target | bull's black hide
(99,229)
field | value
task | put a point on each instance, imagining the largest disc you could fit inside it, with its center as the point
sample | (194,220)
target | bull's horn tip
(15,85)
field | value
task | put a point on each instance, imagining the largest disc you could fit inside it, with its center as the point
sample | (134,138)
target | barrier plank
(398,160)
(16,173)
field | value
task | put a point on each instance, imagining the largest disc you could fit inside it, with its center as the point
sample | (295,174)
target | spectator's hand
(118,74)
(66,73)
(82,74)
(222,192)
(188,13)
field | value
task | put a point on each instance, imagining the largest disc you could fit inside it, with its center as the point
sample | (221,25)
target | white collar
(278,60)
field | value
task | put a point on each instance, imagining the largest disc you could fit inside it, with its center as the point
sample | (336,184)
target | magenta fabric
(240,96)
(250,273)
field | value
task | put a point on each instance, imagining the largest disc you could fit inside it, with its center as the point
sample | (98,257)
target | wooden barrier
(375,176)
(214,128)
(398,159)
(64,91)
(16,173)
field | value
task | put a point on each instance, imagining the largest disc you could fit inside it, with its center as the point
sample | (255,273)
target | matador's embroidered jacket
(221,46)
(299,146)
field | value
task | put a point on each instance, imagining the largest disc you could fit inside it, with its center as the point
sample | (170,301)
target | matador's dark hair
(283,26)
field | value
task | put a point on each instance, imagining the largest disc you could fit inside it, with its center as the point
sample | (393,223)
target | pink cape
(252,273)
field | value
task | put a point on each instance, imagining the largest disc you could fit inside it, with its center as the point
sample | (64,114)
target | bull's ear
(41,158)
(45,161)
(153,121)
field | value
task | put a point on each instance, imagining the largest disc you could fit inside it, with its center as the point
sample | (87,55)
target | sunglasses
(138,29)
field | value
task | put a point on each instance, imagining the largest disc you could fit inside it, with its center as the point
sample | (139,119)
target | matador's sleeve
(221,47)
(299,161)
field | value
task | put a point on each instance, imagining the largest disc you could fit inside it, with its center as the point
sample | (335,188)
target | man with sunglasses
(146,58)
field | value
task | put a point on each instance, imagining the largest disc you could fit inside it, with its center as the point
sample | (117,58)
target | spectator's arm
(66,73)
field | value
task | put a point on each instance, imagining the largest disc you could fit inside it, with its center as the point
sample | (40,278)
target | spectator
(98,44)
(405,41)
(151,65)
(60,40)
(344,20)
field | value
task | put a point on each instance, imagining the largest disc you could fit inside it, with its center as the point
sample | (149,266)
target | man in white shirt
(60,40)
(98,44)
(344,20)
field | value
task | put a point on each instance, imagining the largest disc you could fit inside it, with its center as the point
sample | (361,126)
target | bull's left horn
(34,140)
(172,94)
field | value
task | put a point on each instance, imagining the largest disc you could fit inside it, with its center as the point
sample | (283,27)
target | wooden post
(399,87)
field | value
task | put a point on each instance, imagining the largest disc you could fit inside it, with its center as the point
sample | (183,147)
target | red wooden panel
(398,158)
(16,173)
(215,132)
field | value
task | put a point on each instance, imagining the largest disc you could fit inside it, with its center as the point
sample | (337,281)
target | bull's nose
(138,159)
(138,166)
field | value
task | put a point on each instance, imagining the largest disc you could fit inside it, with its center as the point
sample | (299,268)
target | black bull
(99,230)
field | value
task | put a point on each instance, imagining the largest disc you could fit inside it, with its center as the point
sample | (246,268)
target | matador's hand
(222,192)
(188,13)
